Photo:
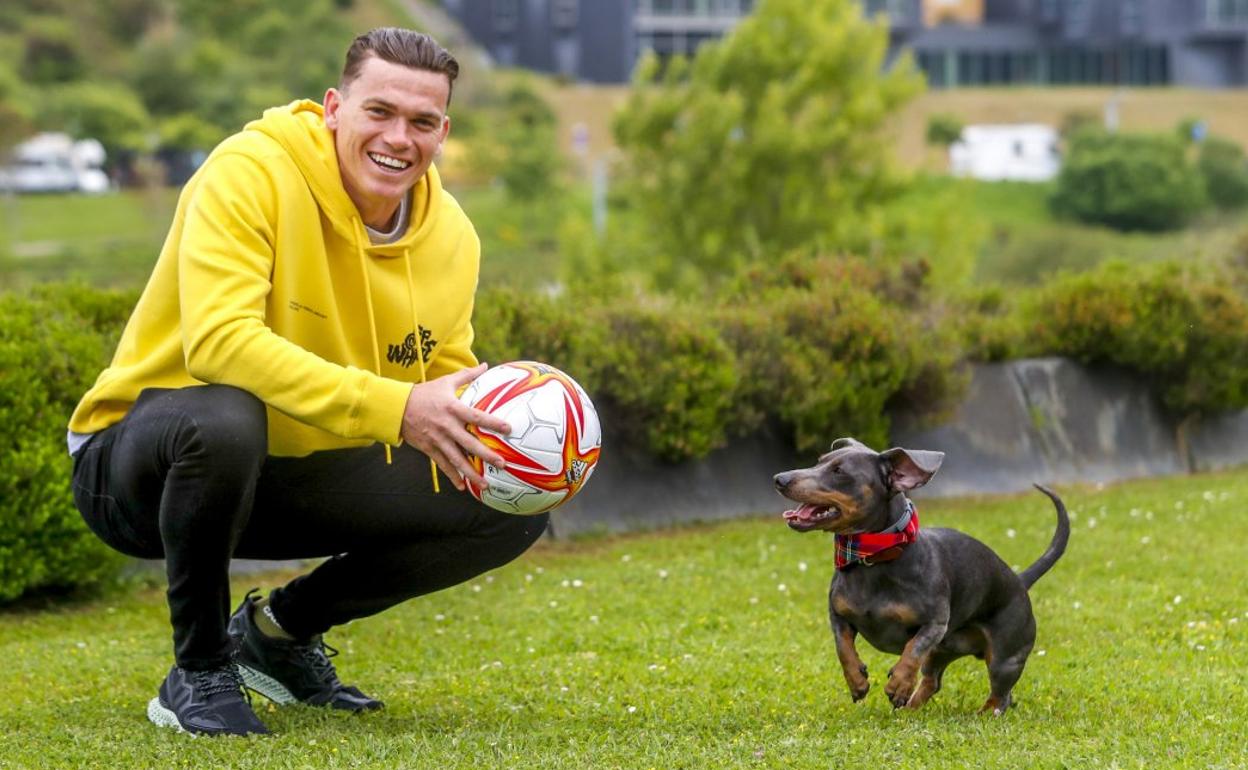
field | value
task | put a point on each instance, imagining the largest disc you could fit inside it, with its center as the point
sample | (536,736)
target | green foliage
(200,69)
(828,345)
(816,346)
(1128,181)
(943,129)
(1222,164)
(526,137)
(1181,329)
(52,52)
(771,139)
(52,345)
(108,112)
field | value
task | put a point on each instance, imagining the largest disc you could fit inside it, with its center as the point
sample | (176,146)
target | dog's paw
(858,685)
(900,686)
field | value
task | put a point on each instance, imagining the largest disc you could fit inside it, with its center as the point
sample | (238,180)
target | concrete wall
(1040,420)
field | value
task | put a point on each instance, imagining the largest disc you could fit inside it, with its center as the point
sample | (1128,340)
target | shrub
(1182,330)
(1221,163)
(1128,181)
(828,345)
(51,348)
(943,129)
(662,378)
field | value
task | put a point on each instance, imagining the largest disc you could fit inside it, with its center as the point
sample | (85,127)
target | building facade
(594,40)
(1199,43)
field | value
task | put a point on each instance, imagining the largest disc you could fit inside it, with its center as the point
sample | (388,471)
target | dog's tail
(1056,548)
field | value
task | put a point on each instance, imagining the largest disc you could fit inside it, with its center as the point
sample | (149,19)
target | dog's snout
(782,480)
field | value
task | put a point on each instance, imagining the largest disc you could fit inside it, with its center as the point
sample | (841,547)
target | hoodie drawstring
(368,306)
(420,348)
(372,330)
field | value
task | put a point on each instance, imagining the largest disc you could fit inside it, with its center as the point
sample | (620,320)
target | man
(313,298)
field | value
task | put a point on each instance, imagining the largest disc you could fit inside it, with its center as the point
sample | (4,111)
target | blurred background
(791,218)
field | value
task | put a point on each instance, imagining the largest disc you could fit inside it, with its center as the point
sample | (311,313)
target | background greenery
(708,647)
(752,272)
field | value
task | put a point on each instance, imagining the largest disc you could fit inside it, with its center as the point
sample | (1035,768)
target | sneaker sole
(265,685)
(160,716)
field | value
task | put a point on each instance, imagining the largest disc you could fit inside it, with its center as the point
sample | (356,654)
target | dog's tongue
(804,512)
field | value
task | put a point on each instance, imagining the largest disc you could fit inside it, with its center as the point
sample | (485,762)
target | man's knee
(220,422)
(513,535)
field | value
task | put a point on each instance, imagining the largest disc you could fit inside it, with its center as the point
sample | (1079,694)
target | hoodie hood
(300,128)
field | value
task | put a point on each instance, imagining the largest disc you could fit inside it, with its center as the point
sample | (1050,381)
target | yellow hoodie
(268,282)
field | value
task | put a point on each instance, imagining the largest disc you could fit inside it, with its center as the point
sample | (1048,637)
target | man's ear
(332,102)
(908,469)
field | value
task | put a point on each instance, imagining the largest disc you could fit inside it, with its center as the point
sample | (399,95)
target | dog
(931,596)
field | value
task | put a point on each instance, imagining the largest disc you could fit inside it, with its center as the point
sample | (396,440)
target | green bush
(52,346)
(1221,163)
(1182,330)
(943,129)
(1128,181)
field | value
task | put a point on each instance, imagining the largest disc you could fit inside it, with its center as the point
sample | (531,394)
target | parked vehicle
(54,162)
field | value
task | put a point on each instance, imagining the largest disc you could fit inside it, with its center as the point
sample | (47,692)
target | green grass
(113,240)
(707,647)
(1026,244)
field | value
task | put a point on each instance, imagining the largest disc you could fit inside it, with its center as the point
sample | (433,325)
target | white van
(53,162)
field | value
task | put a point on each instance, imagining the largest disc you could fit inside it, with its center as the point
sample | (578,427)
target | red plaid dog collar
(874,547)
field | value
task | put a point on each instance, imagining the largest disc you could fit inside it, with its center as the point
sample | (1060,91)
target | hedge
(814,347)
(52,345)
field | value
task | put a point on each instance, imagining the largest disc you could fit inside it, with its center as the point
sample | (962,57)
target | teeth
(389,162)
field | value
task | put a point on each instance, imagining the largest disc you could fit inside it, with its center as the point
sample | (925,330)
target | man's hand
(434,421)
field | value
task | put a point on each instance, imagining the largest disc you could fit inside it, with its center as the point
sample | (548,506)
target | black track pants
(186,476)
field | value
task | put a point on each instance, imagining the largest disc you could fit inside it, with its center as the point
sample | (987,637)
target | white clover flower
(1010,533)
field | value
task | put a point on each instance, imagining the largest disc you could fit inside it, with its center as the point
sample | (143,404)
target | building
(593,40)
(1200,43)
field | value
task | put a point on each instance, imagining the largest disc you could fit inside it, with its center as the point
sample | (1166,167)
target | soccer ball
(554,441)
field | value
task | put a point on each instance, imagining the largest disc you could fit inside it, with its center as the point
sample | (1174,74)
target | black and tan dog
(931,596)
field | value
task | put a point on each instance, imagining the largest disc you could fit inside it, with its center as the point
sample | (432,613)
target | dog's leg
(901,677)
(855,670)
(932,669)
(1009,642)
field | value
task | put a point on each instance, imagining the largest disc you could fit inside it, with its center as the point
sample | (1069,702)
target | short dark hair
(405,47)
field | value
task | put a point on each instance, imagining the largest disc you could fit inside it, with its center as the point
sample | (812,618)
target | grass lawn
(113,240)
(707,647)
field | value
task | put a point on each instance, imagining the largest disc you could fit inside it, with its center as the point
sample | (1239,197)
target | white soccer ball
(554,442)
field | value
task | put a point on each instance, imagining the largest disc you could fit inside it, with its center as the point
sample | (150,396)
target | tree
(1128,181)
(770,139)
(527,138)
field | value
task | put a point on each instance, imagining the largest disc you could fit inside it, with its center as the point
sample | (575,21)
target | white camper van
(53,162)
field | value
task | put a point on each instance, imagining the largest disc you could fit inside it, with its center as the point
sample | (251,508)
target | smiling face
(388,124)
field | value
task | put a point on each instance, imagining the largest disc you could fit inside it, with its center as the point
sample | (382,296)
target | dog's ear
(842,443)
(908,469)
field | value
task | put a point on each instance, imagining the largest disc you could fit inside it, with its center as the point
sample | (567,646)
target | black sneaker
(290,671)
(204,703)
